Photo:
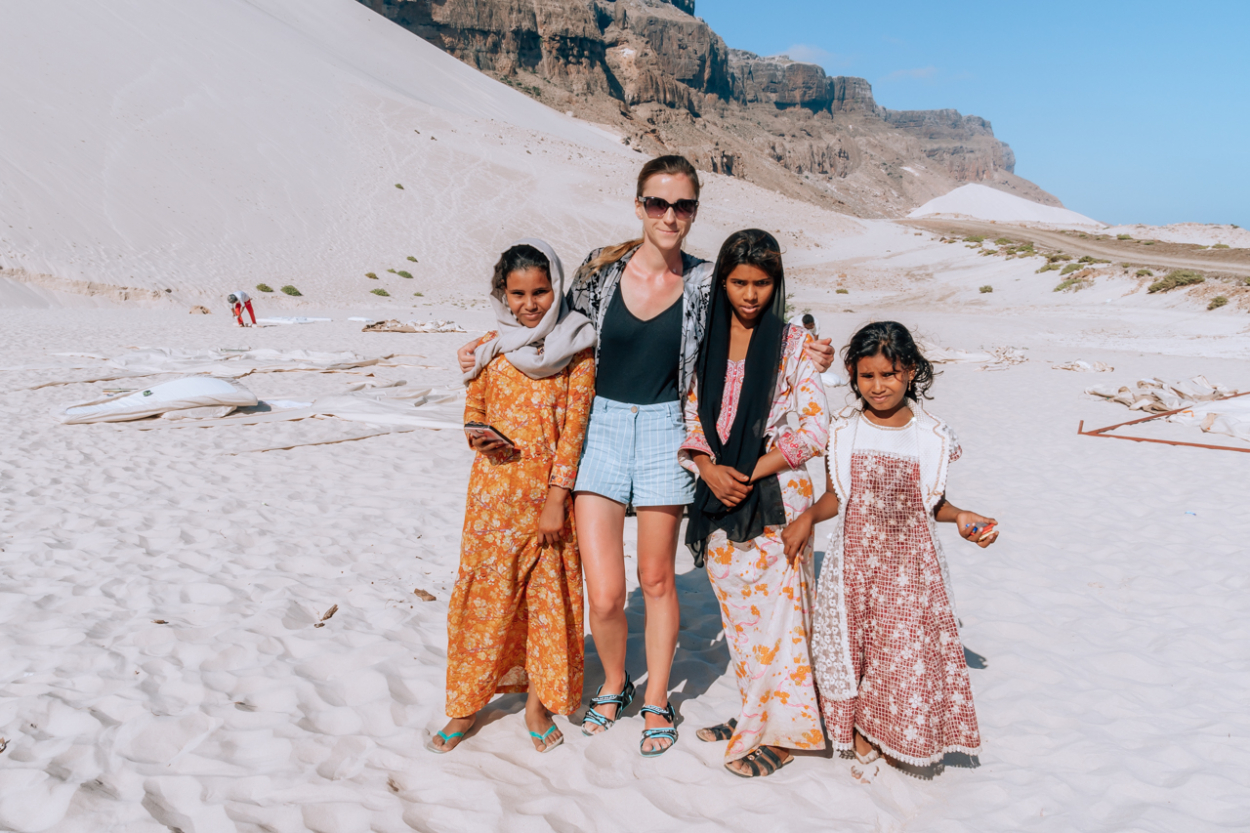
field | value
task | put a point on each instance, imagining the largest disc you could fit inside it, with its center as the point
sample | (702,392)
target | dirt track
(1159,256)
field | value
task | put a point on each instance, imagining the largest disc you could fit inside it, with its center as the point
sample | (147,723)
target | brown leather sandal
(763,761)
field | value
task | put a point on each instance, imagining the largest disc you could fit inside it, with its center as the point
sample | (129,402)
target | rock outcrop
(670,84)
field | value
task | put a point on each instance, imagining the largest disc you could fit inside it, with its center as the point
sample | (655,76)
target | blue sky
(1128,112)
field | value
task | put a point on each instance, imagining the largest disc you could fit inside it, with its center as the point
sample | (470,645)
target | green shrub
(842,291)
(264,287)
(1057,256)
(1049,267)
(986,289)
(404,274)
(1002,241)
(418,294)
(1220,246)
(1217,302)
(1123,237)
(292,291)
(1125,265)
(371,276)
(1180,277)
(392,271)
(400,187)
(1148,242)
(1075,284)
(1144,273)
(975,238)
(1069,269)
(413,259)
(380,291)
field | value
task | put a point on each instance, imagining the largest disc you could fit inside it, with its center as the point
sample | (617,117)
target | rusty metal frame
(1104,432)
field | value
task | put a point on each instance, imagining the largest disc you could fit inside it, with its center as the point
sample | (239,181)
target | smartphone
(482,431)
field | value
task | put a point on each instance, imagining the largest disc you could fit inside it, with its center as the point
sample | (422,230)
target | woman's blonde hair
(671,165)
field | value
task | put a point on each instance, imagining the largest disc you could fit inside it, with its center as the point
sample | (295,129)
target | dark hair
(750,247)
(892,340)
(521,256)
(671,165)
(809,320)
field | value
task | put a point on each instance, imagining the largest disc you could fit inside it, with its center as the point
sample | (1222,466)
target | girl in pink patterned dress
(753,376)
(889,663)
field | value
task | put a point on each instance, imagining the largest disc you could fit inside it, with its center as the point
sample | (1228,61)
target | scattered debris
(1085,367)
(1155,395)
(159,622)
(1197,402)
(201,310)
(394,326)
(994,358)
(333,610)
(423,595)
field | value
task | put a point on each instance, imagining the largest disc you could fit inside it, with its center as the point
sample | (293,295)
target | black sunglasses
(657,207)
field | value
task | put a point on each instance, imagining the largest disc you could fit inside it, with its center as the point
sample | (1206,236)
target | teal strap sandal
(547,747)
(650,734)
(621,701)
(447,738)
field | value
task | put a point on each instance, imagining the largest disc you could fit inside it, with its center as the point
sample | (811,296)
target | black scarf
(763,506)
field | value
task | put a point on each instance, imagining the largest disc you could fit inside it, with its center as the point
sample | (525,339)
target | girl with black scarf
(753,377)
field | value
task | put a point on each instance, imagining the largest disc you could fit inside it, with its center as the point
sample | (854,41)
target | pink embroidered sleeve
(696,440)
(798,445)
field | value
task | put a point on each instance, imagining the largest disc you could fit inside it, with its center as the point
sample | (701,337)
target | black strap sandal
(723,731)
(668,733)
(621,701)
(761,762)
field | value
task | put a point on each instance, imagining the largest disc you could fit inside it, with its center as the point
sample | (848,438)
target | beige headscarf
(540,351)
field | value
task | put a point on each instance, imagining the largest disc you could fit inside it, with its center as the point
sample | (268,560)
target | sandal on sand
(447,738)
(621,701)
(547,747)
(874,754)
(763,761)
(723,731)
(651,734)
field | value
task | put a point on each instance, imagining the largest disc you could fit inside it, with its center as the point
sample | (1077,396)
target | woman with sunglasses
(648,301)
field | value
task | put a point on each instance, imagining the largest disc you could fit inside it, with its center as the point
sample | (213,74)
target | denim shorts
(630,454)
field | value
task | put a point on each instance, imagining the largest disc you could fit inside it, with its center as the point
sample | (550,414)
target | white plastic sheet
(195,393)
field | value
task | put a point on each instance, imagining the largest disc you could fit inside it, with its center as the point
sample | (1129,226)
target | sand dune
(205,143)
(980,202)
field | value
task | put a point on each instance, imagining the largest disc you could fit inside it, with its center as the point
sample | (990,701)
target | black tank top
(639,360)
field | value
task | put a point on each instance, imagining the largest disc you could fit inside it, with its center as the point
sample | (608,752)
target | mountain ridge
(667,82)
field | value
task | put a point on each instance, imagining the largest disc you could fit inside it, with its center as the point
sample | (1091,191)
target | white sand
(219,144)
(1202,234)
(1111,700)
(981,202)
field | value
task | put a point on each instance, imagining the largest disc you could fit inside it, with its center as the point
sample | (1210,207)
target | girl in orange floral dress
(514,622)
(753,378)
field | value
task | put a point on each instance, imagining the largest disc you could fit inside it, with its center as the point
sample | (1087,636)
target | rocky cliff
(664,79)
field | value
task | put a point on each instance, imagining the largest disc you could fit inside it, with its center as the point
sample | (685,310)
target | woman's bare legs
(600,533)
(657,555)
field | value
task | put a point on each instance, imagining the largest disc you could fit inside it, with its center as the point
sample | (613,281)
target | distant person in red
(240,301)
